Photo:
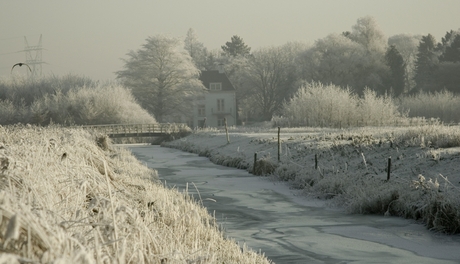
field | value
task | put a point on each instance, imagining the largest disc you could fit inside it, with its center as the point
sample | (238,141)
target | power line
(15,37)
(8,53)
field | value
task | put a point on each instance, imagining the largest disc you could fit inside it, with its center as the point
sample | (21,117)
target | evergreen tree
(446,41)
(452,50)
(397,66)
(448,72)
(448,77)
(426,63)
(236,47)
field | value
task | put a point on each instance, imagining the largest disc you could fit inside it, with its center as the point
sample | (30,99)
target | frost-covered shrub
(264,167)
(27,90)
(372,196)
(435,204)
(443,105)
(7,112)
(70,100)
(285,172)
(377,110)
(316,104)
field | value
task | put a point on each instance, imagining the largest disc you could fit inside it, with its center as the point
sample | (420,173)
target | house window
(220,105)
(201,110)
(215,86)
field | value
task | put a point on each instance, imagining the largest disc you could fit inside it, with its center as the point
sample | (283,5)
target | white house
(218,103)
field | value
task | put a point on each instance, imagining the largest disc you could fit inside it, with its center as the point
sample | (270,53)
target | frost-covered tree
(162,77)
(407,44)
(330,60)
(338,60)
(367,33)
(196,49)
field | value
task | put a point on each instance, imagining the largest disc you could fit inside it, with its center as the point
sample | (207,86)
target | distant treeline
(360,59)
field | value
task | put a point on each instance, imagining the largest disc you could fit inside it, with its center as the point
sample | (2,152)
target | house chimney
(220,67)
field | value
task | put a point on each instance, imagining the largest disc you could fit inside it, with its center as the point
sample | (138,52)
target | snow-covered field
(351,167)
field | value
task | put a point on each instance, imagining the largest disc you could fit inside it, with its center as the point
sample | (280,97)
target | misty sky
(89,37)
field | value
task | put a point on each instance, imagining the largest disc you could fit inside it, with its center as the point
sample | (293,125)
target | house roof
(207,77)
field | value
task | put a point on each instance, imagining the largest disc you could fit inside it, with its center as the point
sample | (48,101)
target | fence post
(226,130)
(279,144)
(316,161)
(389,168)
(255,164)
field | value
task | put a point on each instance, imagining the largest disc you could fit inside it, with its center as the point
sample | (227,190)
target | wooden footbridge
(138,130)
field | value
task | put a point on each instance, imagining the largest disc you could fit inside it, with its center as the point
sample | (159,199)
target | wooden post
(316,161)
(389,169)
(255,164)
(226,130)
(279,144)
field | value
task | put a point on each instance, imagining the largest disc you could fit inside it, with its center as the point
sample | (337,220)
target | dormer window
(215,86)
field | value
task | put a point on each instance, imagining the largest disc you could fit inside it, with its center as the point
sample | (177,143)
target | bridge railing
(140,129)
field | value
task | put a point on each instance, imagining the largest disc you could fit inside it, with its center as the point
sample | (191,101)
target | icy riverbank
(352,167)
(286,227)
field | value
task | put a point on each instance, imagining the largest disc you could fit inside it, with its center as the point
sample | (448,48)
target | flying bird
(20,64)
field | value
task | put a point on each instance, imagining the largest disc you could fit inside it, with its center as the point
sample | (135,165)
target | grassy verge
(66,197)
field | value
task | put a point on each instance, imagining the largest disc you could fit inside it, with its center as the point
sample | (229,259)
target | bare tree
(270,78)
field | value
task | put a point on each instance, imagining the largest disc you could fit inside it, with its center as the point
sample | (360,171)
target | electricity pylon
(35,62)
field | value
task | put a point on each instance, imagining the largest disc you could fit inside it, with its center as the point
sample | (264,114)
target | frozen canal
(269,217)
